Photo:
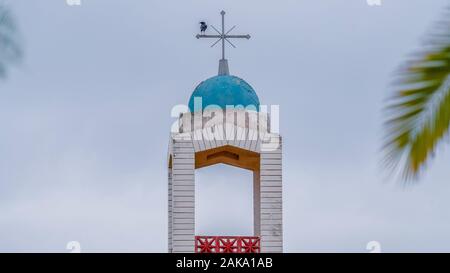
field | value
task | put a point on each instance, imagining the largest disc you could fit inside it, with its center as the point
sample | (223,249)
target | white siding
(271,201)
(256,203)
(170,208)
(183,196)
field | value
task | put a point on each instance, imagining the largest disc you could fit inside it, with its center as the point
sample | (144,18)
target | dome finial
(223,67)
(222,37)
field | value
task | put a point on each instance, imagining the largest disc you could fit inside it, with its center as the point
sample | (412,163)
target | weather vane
(222,37)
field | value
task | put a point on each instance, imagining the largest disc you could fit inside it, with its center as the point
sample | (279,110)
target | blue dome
(224,90)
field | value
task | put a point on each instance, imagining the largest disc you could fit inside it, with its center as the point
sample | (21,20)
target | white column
(256,203)
(170,208)
(271,201)
(183,196)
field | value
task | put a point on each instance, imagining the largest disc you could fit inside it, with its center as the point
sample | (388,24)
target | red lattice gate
(227,244)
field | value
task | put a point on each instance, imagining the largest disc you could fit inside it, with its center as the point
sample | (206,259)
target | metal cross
(223,36)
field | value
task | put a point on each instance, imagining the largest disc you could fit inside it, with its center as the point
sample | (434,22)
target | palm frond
(10,50)
(418,115)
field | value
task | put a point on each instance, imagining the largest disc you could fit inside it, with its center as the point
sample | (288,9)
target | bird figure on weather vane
(203,27)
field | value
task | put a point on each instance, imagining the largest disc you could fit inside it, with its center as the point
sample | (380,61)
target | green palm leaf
(10,50)
(418,115)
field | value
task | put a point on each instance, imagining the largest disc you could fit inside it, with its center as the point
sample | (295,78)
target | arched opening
(233,189)
(224,201)
(227,200)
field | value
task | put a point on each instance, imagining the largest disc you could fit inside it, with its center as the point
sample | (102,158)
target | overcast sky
(85,121)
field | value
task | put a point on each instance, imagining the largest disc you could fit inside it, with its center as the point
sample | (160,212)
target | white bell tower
(225,125)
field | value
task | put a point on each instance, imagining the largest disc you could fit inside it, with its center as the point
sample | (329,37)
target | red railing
(227,244)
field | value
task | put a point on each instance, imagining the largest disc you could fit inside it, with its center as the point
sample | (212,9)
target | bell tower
(225,124)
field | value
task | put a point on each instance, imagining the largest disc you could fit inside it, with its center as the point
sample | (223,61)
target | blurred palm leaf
(418,115)
(10,50)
